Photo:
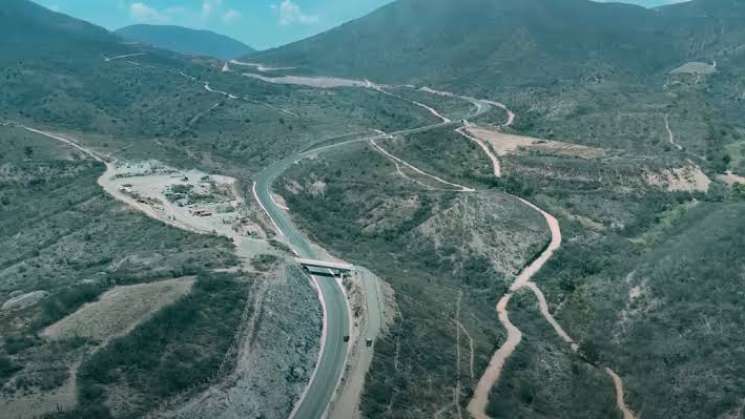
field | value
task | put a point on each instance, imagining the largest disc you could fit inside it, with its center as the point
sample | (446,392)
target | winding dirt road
(496,166)
(478,404)
(670,134)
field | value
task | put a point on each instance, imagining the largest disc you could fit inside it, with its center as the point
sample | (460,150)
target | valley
(539,205)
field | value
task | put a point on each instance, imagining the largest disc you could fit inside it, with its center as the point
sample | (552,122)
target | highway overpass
(323,267)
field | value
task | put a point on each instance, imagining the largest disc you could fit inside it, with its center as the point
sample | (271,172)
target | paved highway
(332,358)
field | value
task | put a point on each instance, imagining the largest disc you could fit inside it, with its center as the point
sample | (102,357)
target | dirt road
(458,188)
(478,404)
(496,166)
(670,134)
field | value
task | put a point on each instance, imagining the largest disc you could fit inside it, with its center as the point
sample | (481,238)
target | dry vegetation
(431,246)
(119,310)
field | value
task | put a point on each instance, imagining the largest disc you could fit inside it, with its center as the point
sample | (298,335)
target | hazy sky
(259,23)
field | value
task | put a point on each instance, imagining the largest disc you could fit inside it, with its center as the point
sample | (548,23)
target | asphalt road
(332,359)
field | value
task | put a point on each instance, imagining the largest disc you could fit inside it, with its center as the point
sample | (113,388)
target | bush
(67,301)
(16,344)
(7,368)
(180,347)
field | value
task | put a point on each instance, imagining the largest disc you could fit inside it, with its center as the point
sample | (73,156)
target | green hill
(515,42)
(186,41)
(25,22)
(506,41)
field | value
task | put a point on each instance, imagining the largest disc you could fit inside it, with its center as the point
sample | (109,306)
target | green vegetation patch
(444,153)
(179,349)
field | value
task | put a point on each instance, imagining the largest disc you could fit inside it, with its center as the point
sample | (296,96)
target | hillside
(186,41)
(24,22)
(506,41)
(516,42)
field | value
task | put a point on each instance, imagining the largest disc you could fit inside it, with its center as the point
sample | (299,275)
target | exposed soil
(689,178)
(505,144)
(119,310)
(731,179)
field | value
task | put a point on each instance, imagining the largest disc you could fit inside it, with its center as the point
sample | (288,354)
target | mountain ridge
(505,42)
(23,21)
(186,41)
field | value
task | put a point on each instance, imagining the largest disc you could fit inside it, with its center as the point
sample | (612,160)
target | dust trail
(220,92)
(432,110)
(456,390)
(472,358)
(260,67)
(477,405)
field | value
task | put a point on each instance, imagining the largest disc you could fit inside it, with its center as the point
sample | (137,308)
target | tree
(28,151)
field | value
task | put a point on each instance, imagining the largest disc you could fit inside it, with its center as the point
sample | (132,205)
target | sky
(259,23)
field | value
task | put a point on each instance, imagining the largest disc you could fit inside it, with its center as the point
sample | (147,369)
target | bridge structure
(322,267)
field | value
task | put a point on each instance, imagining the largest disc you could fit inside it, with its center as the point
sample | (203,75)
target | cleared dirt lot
(689,178)
(504,144)
(119,310)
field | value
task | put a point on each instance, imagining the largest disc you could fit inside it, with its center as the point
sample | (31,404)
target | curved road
(333,353)
(332,359)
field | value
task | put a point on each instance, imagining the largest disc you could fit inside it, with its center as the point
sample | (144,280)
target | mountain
(186,41)
(704,9)
(515,42)
(707,29)
(25,22)
(511,41)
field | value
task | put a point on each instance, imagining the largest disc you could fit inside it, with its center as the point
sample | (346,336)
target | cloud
(290,13)
(209,6)
(231,16)
(141,12)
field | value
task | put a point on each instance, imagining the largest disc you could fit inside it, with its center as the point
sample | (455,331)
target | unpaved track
(620,399)
(670,134)
(121,57)
(510,114)
(496,165)
(433,111)
(260,67)
(219,92)
(458,188)
(95,156)
(478,404)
